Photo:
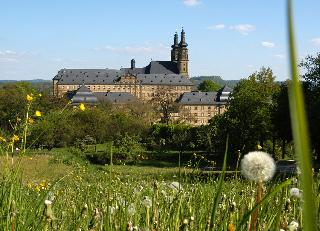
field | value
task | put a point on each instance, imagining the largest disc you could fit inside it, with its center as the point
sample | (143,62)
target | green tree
(311,66)
(281,117)
(13,102)
(248,118)
(208,85)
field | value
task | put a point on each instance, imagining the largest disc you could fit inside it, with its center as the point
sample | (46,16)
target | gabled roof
(162,67)
(84,95)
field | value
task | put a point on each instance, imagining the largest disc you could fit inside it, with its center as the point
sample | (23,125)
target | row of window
(203,114)
(214,108)
(74,87)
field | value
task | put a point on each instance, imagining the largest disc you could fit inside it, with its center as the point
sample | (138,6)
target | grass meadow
(54,193)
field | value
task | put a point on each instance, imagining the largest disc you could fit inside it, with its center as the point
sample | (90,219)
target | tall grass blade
(300,133)
(219,189)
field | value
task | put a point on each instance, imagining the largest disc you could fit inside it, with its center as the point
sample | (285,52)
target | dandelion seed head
(147,202)
(293,226)
(295,192)
(175,186)
(131,209)
(47,202)
(258,166)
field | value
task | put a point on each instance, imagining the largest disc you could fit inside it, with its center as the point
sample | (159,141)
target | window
(195,108)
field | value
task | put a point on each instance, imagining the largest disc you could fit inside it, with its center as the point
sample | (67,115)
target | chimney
(133,63)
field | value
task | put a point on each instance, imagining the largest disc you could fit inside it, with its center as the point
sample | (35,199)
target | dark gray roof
(225,89)
(84,95)
(133,70)
(224,94)
(164,79)
(115,97)
(162,67)
(110,76)
(198,98)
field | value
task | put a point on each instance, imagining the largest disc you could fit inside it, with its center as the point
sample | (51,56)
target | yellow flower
(15,138)
(38,113)
(31,121)
(29,98)
(40,94)
(259,147)
(231,227)
(2,139)
(82,107)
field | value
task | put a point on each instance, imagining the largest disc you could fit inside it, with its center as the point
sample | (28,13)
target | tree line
(257,116)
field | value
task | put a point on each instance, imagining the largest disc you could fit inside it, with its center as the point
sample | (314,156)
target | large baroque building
(129,84)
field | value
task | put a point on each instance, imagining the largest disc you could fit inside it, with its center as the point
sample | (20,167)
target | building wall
(143,92)
(201,114)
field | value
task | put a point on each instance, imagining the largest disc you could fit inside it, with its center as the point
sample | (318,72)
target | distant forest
(216,79)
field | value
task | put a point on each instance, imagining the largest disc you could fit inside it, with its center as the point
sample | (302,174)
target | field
(50,192)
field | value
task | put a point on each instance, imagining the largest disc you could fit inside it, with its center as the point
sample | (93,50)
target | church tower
(183,55)
(175,49)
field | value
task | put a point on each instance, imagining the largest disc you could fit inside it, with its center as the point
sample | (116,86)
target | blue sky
(229,38)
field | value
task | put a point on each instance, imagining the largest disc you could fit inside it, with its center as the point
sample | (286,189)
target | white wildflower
(258,166)
(295,192)
(293,226)
(147,202)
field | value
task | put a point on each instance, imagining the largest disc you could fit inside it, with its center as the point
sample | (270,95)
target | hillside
(217,79)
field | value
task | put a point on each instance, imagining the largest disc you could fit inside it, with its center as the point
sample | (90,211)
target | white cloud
(9,56)
(280,56)
(216,27)
(191,2)
(316,41)
(268,44)
(243,28)
(8,60)
(144,49)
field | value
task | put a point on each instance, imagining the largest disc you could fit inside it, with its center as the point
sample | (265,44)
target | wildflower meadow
(72,187)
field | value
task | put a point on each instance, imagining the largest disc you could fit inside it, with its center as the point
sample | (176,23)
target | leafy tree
(13,102)
(281,117)
(311,66)
(164,104)
(248,118)
(208,85)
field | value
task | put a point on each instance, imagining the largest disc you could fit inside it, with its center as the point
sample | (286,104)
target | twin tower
(179,53)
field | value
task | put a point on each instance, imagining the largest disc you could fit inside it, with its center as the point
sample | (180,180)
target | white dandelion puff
(295,192)
(47,202)
(176,186)
(293,226)
(131,209)
(258,166)
(147,202)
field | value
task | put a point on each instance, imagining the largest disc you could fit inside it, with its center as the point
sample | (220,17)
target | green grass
(300,132)
(115,193)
